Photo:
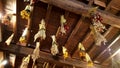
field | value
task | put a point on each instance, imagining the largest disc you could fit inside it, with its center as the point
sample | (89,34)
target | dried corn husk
(25,62)
(65,53)
(62,28)
(8,41)
(99,38)
(36,52)
(89,61)
(42,31)
(22,39)
(54,48)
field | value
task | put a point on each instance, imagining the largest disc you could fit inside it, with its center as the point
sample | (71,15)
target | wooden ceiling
(76,14)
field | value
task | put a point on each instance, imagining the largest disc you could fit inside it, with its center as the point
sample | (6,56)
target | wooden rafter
(24,51)
(86,38)
(111,56)
(30,23)
(76,35)
(49,9)
(81,8)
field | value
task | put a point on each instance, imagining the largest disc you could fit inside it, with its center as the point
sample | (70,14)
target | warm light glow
(117,52)
(11,4)
(4,62)
(8,41)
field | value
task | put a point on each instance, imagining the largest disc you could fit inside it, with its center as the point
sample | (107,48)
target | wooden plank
(111,56)
(30,23)
(81,8)
(86,39)
(24,51)
(100,3)
(49,9)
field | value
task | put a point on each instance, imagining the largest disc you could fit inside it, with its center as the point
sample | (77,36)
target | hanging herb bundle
(22,39)
(63,27)
(82,52)
(54,48)
(65,52)
(36,54)
(97,22)
(25,62)
(42,31)
(97,27)
(89,61)
(99,38)
(26,12)
(8,41)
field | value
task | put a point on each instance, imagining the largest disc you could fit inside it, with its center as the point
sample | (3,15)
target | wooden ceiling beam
(24,51)
(87,37)
(81,8)
(111,56)
(49,9)
(76,35)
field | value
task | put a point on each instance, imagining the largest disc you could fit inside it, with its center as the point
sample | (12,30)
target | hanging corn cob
(46,65)
(82,52)
(54,48)
(89,61)
(65,53)
(8,41)
(25,62)
(42,31)
(22,39)
(36,54)
(26,12)
(99,38)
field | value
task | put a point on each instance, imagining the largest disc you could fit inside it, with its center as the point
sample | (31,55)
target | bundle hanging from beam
(81,8)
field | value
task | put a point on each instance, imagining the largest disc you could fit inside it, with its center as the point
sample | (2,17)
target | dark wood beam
(111,56)
(29,24)
(24,51)
(87,37)
(76,35)
(49,9)
(81,8)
